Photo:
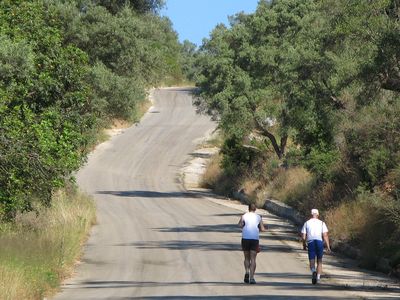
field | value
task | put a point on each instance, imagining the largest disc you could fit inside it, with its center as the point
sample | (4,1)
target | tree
(249,74)
(188,55)
(45,117)
(141,6)
(123,47)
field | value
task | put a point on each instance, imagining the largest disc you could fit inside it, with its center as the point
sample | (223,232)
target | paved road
(155,241)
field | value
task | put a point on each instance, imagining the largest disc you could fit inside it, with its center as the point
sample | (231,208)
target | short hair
(252,207)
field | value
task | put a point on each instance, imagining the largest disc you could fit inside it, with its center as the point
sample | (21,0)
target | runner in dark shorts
(250,245)
(251,224)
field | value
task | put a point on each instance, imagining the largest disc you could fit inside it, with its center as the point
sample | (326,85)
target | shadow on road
(269,297)
(147,194)
(156,195)
(202,228)
(284,285)
(182,245)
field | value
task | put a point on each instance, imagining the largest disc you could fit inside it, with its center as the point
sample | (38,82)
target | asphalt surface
(154,240)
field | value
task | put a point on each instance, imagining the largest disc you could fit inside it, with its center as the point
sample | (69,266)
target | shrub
(212,173)
(362,223)
(236,157)
(115,96)
(321,161)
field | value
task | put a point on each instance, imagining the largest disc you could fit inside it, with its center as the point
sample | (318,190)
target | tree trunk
(279,149)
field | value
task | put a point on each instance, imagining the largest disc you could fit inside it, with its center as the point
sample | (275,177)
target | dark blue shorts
(315,249)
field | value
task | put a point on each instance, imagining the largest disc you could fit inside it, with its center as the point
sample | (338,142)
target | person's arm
(325,236)
(304,236)
(261,226)
(241,222)
(326,240)
(304,239)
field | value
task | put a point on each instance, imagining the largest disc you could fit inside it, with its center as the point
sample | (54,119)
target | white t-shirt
(314,228)
(250,229)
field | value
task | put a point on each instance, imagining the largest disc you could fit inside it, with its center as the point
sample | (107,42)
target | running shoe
(246,278)
(252,281)
(314,278)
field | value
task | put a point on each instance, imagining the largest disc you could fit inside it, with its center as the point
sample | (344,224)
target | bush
(321,161)
(45,118)
(236,157)
(363,221)
(115,96)
(373,145)
(292,186)
(212,173)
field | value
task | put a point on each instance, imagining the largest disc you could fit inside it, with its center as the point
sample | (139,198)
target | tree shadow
(184,245)
(200,155)
(314,291)
(149,194)
(226,228)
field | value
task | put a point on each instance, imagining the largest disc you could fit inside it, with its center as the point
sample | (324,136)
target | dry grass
(254,191)
(122,124)
(143,107)
(289,184)
(214,177)
(214,141)
(367,224)
(348,221)
(213,172)
(39,250)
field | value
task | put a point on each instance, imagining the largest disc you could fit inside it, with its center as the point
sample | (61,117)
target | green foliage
(139,48)
(144,48)
(43,107)
(17,61)
(236,157)
(254,76)
(373,140)
(141,6)
(298,70)
(116,96)
(321,161)
(189,54)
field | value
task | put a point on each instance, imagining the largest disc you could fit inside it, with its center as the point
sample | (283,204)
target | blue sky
(193,20)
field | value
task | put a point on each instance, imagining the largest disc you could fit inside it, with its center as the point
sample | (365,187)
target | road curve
(153,240)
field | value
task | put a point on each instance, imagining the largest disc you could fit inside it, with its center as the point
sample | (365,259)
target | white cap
(314,211)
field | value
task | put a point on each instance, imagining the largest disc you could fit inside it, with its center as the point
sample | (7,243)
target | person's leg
(311,255)
(253,265)
(246,253)
(246,266)
(312,265)
(319,268)
(319,254)
(247,261)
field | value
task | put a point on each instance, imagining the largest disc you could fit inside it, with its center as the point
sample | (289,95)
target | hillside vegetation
(67,70)
(307,95)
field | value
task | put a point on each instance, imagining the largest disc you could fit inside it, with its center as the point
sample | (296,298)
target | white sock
(318,276)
